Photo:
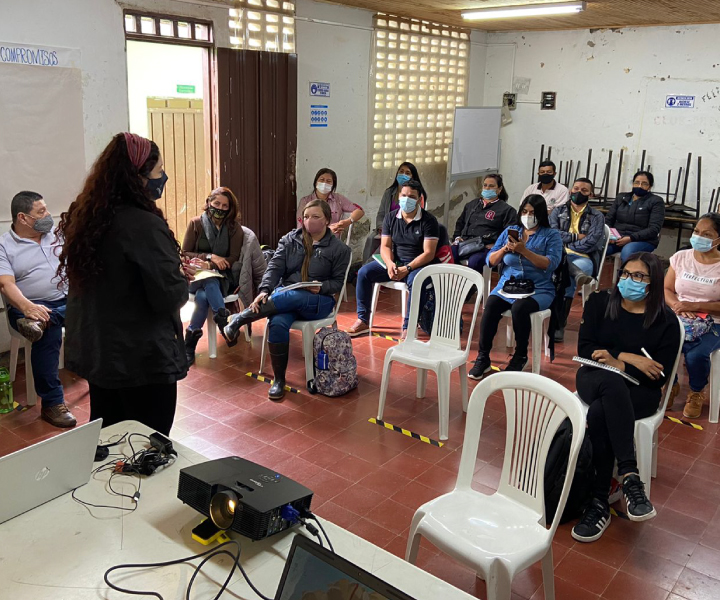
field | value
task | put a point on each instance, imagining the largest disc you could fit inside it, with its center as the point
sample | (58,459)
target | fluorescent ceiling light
(526,10)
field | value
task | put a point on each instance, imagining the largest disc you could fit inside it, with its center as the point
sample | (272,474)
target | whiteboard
(476,141)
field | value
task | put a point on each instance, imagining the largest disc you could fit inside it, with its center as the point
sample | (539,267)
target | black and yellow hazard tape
(618,513)
(681,422)
(386,337)
(268,380)
(412,434)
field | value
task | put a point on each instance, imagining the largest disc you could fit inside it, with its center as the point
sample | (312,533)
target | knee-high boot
(279,358)
(267,309)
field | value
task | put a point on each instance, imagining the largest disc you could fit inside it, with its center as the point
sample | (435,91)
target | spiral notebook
(591,363)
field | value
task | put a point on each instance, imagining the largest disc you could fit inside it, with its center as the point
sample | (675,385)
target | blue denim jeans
(45,355)
(697,358)
(368,276)
(296,305)
(582,263)
(631,248)
(475,261)
(207,295)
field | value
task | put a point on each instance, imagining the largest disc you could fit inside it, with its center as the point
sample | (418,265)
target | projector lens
(222,509)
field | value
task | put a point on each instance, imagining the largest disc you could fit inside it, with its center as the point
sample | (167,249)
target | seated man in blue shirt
(582,229)
(34,299)
(408,243)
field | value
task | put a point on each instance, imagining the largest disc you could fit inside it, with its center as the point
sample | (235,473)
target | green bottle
(6,392)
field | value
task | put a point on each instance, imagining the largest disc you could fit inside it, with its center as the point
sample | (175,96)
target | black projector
(242,496)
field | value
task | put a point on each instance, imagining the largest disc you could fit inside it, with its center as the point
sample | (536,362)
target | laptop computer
(312,571)
(48,469)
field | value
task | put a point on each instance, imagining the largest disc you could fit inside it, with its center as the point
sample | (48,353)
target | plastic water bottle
(6,392)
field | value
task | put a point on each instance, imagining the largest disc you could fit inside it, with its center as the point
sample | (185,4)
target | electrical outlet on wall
(547,100)
(509,100)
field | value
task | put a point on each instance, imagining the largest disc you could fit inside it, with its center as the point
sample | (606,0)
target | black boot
(279,358)
(560,331)
(232,329)
(221,320)
(191,340)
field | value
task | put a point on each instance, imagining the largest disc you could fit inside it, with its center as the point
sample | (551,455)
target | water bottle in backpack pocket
(335,364)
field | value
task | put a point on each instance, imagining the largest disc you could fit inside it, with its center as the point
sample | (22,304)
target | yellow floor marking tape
(268,380)
(681,422)
(386,337)
(406,432)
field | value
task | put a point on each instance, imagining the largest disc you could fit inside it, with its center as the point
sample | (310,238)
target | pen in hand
(645,352)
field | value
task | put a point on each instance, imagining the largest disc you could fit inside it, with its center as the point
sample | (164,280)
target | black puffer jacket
(125,329)
(328,263)
(642,219)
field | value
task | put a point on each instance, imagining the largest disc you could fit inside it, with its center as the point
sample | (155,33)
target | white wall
(611,87)
(155,70)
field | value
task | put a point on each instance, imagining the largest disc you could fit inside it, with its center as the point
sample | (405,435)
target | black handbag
(468,247)
(519,286)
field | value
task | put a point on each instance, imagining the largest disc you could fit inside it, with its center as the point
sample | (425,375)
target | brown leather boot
(693,405)
(30,329)
(58,415)
(674,391)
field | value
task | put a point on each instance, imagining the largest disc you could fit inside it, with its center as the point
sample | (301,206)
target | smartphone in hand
(513,233)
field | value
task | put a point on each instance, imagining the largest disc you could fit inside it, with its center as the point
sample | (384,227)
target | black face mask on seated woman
(217,213)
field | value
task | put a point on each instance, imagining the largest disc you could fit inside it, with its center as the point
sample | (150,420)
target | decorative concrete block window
(263,25)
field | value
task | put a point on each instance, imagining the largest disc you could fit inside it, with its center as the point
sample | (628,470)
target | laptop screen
(313,573)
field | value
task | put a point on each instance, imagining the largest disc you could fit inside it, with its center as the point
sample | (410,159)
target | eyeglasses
(636,277)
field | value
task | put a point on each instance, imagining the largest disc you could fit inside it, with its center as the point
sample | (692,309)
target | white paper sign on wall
(39,56)
(317,88)
(675,101)
(319,115)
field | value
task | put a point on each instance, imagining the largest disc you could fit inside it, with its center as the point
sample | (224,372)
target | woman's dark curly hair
(113,181)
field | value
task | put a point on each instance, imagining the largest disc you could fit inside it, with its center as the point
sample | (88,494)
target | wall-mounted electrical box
(547,100)
(509,100)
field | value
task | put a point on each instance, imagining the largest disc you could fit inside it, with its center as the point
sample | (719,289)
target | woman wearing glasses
(616,327)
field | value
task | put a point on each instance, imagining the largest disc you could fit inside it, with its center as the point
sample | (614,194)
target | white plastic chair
(308,329)
(594,285)
(443,353)
(500,535)
(347,241)
(487,278)
(400,286)
(539,322)
(212,326)
(646,430)
(715,386)
(16,338)
(616,267)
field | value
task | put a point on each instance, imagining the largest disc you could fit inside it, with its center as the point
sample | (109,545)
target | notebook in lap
(48,469)
(312,571)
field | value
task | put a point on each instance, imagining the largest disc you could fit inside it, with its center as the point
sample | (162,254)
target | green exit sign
(186,89)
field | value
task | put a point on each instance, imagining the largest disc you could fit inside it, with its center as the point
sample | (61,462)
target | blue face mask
(632,290)
(156,186)
(489,194)
(407,204)
(701,244)
(402,179)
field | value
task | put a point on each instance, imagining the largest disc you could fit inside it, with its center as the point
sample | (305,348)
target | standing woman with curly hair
(126,288)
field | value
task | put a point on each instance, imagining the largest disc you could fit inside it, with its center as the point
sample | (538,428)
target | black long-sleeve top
(627,334)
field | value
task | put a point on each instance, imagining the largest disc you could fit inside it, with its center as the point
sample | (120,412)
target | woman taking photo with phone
(310,253)
(629,328)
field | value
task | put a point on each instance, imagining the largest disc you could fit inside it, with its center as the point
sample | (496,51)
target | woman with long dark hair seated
(531,252)
(126,287)
(617,325)
(310,253)
(216,238)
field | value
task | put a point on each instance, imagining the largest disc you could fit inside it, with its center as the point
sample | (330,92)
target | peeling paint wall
(612,87)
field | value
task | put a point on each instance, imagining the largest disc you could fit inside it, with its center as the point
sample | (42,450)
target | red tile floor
(370,480)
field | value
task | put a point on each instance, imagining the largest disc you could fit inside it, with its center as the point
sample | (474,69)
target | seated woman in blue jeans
(214,242)
(638,217)
(310,253)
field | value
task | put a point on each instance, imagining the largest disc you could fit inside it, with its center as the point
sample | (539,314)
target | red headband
(138,148)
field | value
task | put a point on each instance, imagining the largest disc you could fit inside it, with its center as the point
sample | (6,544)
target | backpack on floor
(555,467)
(335,364)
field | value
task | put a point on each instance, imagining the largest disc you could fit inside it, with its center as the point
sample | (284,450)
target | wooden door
(177,126)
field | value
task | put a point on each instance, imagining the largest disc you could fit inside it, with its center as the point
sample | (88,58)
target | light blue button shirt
(33,265)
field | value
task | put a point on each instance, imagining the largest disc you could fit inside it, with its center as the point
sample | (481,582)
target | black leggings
(614,405)
(152,405)
(492,313)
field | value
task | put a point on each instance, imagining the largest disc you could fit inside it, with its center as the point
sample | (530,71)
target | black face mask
(545,179)
(640,192)
(218,213)
(156,186)
(579,198)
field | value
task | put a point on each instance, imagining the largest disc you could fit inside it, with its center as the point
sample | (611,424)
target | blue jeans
(582,263)
(207,295)
(45,355)
(697,358)
(296,305)
(631,248)
(368,276)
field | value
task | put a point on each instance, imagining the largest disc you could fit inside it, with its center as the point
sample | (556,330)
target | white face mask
(323,188)
(529,221)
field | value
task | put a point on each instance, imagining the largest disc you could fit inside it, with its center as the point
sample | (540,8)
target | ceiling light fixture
(526,10)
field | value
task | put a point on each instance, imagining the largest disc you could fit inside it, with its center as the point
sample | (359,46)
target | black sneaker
(481,367)
(517,363)
(594,521)
(639,506)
